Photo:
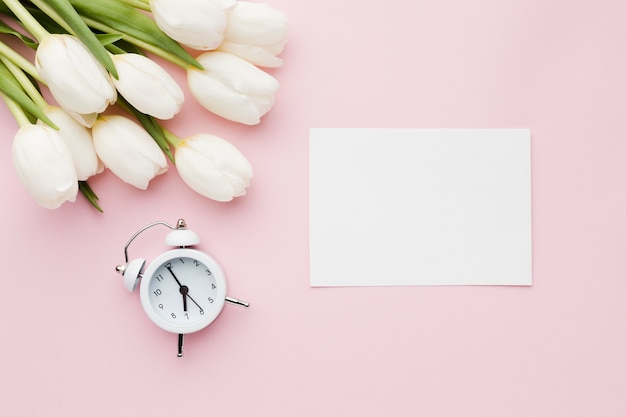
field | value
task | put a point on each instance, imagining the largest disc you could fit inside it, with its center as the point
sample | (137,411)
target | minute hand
(169,268)
(194,301)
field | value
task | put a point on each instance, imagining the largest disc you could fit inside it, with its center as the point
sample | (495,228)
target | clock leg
(180,345)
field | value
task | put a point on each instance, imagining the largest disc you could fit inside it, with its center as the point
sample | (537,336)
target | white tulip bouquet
(91,55)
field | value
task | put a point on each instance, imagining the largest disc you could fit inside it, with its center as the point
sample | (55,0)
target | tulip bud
(147,86)
(231,87)
(198,24)
(44,165)
(76,79)
(128,150)
(78,140)
(86,120)
(213,167)
(257,33)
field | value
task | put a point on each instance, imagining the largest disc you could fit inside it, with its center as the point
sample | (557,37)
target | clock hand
(194,301)
(183,288)
(169,268)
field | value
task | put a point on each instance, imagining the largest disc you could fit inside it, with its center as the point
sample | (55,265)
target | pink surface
(75,343)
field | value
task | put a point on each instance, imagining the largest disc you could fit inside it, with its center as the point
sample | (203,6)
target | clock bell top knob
(181,236)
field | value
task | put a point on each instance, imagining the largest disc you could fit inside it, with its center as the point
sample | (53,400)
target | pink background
(75,343)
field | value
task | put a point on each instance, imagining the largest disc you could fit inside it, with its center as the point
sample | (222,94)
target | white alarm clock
(183,290)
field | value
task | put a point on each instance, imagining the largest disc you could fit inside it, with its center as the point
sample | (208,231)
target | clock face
(183,290)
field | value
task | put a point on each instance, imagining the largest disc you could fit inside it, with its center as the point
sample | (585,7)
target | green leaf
(46,21)
(86,190)
(150,124)
(4,28)
(108,38)
(65,9)
(117,46)
(128,20)
(126,47)
(4,9)
(12,89)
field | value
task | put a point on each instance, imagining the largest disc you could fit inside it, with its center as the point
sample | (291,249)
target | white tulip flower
(257,33)
(213,167)
(44,165)
(76,79)
(86,120)
(198,24)
(231,87)
(78,139)
(128,150)
(147,86)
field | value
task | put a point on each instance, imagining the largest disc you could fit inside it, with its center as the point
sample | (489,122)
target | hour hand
(184,290)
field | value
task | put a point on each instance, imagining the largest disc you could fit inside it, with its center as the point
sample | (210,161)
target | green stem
(26,84)
(20,61)
(31,24)
(138,42)
(139,4)
(114,49)
(171,138)
(16,111)
(44,7)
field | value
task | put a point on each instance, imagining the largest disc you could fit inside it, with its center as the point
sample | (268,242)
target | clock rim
(220,281)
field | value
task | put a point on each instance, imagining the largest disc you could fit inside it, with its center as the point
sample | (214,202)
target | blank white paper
(390,207)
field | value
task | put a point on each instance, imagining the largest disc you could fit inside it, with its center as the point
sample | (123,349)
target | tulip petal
(78,140)
(199,24)
(75,78)
(224,155)
(128,150)
(147,86)
(86,120)
(44,165)
(258,23)
(222,100)
(257,33)
(213,167)
(202,176)
(232,88)
(257,55)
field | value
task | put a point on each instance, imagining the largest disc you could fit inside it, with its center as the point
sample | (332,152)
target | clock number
(159,278)
(173,315)
(210,300)
(181,260)
(196,263)
(161,306)
(213,286)
(187,315)
(157,292)
(208,272)
(168,265)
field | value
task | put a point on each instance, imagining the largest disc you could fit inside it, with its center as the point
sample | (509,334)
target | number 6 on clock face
(183,290)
